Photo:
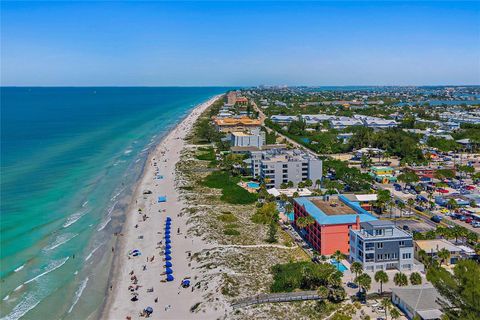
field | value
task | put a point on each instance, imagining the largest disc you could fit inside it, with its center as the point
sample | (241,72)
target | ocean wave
(59,240)
(104,223)
(28,303)
(128,151)
(54,265)
(19,268)
(116,195)
(92,252)
(84,204)
(78,293)
(6,297)
(75,217)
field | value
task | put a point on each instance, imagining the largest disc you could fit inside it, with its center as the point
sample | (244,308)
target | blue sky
(240,43)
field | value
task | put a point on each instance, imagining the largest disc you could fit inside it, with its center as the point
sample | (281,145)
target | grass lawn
(231,192)
(207,154)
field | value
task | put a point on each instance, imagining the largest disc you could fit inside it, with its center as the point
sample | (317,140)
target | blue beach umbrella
(168,251)
(168,271)
(169,219)
(167,257)
(168,264)
(168,241)
(167,236)
(167,231)
(170,277)
(168,246)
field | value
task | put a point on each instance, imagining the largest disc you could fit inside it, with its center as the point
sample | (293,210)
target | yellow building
(236,124)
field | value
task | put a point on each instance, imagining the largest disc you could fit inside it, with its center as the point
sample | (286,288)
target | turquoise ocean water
(69,160)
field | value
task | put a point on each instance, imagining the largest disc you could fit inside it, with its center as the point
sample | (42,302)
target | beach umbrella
(168,241)
(167,236)
(170,277)
(168,251)
(168,264)
(168,246)
(169,219)
(168,271)
(167,226)
(148,310)
(167,231)
(167,257)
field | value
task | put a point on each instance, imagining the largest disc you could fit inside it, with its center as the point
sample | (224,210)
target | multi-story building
(279,166)
(232,97)
(334,217)
(236,124)
(254,139)
(380,245)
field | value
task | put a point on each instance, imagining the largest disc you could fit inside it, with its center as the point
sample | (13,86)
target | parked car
(421,198)
(476,224)
(420,208)
(352,285)
(441,190)
(406,228)
(468,220)
(436,218)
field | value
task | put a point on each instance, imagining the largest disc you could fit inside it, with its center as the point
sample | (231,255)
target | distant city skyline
(240,43)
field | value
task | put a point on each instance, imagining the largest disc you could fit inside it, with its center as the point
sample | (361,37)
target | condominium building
(256,138)
(380,245)
(334,216)
(236,124)
(277,166)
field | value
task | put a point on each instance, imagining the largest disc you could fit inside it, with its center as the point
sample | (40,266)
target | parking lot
(414,225)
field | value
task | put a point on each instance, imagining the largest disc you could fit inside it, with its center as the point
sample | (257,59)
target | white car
(476,224)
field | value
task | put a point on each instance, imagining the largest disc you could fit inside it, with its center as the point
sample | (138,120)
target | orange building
(334,216)
(236,124)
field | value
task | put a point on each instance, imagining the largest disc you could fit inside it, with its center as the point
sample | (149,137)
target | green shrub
(227,217)
(231,232)
(304,275)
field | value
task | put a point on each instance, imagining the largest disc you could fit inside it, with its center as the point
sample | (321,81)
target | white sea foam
(137,160)
(145,149)
(54,265)
(84,204)
(104,223)
(6,297)
(59,240)
(116,195)
(26,304)
(19,268)
(75,217)
(128,151)
(78,293)
(92,252)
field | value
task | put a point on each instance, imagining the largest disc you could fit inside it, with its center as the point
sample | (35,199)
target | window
(401,243)
(406,256)
(379,257)
(380,245)
(379,232)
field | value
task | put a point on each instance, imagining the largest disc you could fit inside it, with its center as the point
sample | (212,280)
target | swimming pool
(253,185)
(340,266)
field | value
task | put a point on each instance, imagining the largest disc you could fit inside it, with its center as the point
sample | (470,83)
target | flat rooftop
(346,211)
(333,207)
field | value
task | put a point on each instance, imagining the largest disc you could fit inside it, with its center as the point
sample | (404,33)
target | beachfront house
(380,245)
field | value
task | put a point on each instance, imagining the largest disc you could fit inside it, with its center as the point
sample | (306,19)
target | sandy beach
(143,276)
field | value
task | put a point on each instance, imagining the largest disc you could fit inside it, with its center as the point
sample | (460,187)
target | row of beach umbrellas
(168,250)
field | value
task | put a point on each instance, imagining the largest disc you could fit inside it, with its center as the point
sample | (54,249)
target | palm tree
(356,268)
(443,255)
(415,278)
(382,277)
(364,282)
(400,279)
(386,304)
(288,207)
(394,313)
(411,203)
(338,256)
(401,205)
(318,183)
